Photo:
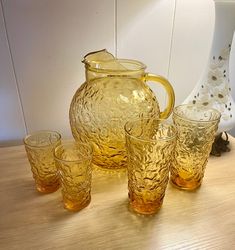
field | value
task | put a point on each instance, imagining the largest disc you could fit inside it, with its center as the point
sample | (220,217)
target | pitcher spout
(97,56)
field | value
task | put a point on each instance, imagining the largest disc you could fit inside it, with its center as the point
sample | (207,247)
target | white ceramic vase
(213,89)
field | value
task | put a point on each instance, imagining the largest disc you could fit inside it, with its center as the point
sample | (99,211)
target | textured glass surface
(73,161)
(150,144)
(114,92)
(39,148)
(101,108)
(196,129)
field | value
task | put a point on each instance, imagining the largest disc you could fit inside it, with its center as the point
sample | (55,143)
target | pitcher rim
(92,65)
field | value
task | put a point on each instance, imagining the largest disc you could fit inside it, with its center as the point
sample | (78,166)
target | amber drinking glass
(196,128)
(39,147)
(73,161)
(149,144)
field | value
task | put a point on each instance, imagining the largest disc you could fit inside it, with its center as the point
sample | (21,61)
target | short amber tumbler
(39,147)
(149,144)
(73,161)
(196,128)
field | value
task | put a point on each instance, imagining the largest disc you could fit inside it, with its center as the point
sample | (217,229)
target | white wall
(47,39)
(42,43)
(12,126)
(191,43)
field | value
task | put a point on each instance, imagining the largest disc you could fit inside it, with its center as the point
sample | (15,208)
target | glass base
(75,206)
(189,185)
(108,171)
(149,208)
(46,188)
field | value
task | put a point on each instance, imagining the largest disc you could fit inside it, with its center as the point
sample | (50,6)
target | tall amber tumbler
(196,128)
(149,144)
(73,161)
(39,147)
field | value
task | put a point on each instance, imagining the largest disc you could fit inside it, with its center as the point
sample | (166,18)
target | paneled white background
(42,44)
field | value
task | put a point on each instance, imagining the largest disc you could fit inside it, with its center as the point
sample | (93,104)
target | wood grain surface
(204,219)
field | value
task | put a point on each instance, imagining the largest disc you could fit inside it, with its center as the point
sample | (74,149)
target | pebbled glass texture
(73,161)
(101,107)
(196,129)
(40,149)
(150,144)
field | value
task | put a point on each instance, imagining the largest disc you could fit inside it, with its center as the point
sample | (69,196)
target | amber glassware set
(117,123)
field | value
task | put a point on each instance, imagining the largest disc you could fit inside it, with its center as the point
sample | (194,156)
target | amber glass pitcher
(115,92)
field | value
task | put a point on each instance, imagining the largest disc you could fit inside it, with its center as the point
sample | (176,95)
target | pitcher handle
(170,92)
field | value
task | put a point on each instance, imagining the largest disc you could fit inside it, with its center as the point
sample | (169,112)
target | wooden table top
(204,219)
